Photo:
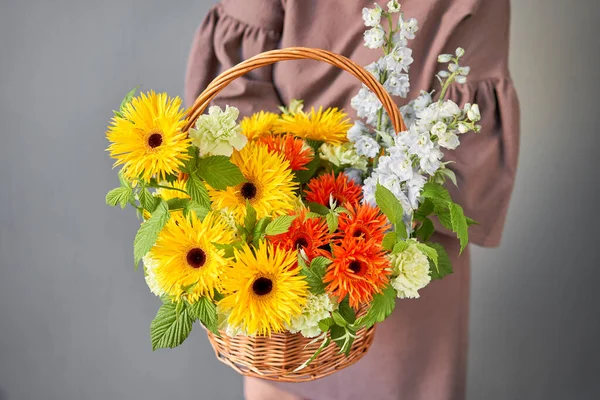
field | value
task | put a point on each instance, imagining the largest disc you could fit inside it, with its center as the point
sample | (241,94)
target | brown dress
(419,353)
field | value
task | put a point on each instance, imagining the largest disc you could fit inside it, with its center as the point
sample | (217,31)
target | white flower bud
(444,74)
(461,79)
(464,70)
(473,114)
(453,67)
(444,58)
(477,128)
(460,52)
(462,127)
(393,6)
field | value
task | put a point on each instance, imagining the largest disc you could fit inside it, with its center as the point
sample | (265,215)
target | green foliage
(169,328)
(126,100)
(315,273)
(347,312)
(147,201)
(459,224)
(425,231)
(197,191)
(343,336)
(120,196)
(279,225)
(219,172)
(430,252)
(389,240)
(259,230)
(205,311)
(200,210)
(318,208)
(250,219)
(149,230)
(444,265)
(425,208)
(325,324)
(399,247)
(389,204)
(332,221)
(306,175)
(382,306)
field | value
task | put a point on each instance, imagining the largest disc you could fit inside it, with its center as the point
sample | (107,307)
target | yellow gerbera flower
(259,124)
(187,263)
(269,185)
(329,126)
(263,290)
(148,139)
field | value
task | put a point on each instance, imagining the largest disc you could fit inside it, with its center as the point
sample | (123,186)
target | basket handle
(295,53)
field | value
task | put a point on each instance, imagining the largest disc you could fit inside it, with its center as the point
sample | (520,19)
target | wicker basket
(278,357)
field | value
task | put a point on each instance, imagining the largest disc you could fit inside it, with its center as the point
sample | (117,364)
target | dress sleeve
(485,163)
(235,30)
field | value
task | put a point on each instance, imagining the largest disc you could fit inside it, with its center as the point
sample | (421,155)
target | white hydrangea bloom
(374,37)
(366,105)
(317,308)
(218,133)
(150,265)
(372,16)
(411,268)
(343,155)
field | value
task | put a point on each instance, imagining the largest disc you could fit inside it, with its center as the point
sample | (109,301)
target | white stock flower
(414,187)
(366,105)
(397,85)
(462,127)
(357,131)
(372,16)
(409,28)
(374,37)
(317,308)
(355,175)
(217,133)
(399,59)
(367,146)
(343,155)
(448,140)
(150,265)
(439,128)
(393,6)
(449,109)
(412,269)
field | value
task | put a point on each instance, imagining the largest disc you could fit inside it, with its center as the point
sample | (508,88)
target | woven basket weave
(277,357)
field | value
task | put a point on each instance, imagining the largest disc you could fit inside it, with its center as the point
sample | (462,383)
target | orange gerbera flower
(359,269)
(363,221)
(308,234)
(342,189)
(295,150)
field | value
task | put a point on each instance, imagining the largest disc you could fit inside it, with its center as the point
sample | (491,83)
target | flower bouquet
(290,235)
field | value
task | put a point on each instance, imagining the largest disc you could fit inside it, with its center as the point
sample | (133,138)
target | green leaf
(325,324)
(382,306)
(124,182)
(306,175)
(119,196)
(324,344)
(168,329)
(128,98)
(219,172)
(149,230)
(448,173)
(229,247)
(205,311)
(343,336)
(279,225)
(425,230)
(389,240)
(389,204)
(430,252)
(433,190)
(338,319)
(178,203)
(332,222)
(471,221)
(315,273)
(250,219)
(347,312)
(399,247)
(197,191)
(259,230)
(459,225)
(148,201)
(318,208)
(444,265)
(200,210)
(425,208)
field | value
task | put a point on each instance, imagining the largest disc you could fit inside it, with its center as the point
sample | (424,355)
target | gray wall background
(74,315)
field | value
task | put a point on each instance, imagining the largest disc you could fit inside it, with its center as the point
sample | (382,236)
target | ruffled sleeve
(232,32)
(485,163)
